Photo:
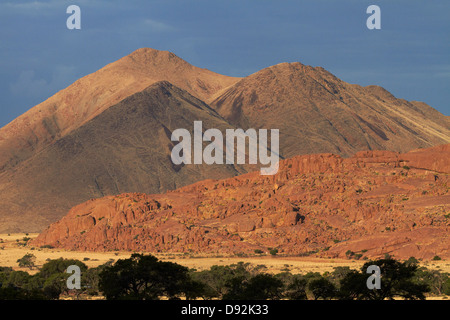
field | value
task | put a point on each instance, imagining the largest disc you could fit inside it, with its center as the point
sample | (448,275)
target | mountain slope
(317,112)
(124,149)
(94,93)
(373,203)
(109,132)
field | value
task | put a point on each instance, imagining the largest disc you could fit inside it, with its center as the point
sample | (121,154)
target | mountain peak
(146,50)
(145,56)
(284,67)
(94,93)
(286,72)
(316,111)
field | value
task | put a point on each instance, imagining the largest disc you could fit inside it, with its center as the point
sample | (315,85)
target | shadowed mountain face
(94,93)
(124,149)
(109,132)
(317,112)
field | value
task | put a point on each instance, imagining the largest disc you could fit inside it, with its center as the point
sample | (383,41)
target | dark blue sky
(409,56)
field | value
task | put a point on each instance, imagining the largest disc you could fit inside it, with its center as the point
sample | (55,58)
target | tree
(411,260)
(14,293)
(53,276)
(296,289)
(17,279)
(353,286)
(59,266)
(446,286)
(338,274)
(143,277)
(435,280)
(55,285)
(263,287)
(194,289)
(235,288)
(259,287)
(213,280)
(397,280)
(219,280)
(19,285)
(27,261)
(90,279)
(174,280)
(349,254)
(322,288)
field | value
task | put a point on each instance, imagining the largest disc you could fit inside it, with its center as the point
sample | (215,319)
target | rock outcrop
(373,203)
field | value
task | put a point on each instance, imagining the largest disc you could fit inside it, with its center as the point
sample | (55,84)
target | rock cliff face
(373,203)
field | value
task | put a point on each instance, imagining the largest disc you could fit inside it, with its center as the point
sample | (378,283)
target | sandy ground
(11,249)
(14,250)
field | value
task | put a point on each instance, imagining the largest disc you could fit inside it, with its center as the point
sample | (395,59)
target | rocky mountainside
(124,149)
(373,203)
(91,95)
(317,112)
(109,132)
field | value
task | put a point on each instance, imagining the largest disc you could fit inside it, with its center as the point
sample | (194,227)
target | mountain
(124,149)
(109,132)
(317,112)
(91,95)
(373,203)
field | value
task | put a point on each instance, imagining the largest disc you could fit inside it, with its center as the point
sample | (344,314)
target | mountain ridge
(94,93)
(315,111)
(327,114)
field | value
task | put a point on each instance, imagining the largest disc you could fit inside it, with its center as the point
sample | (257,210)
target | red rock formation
(374,203)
